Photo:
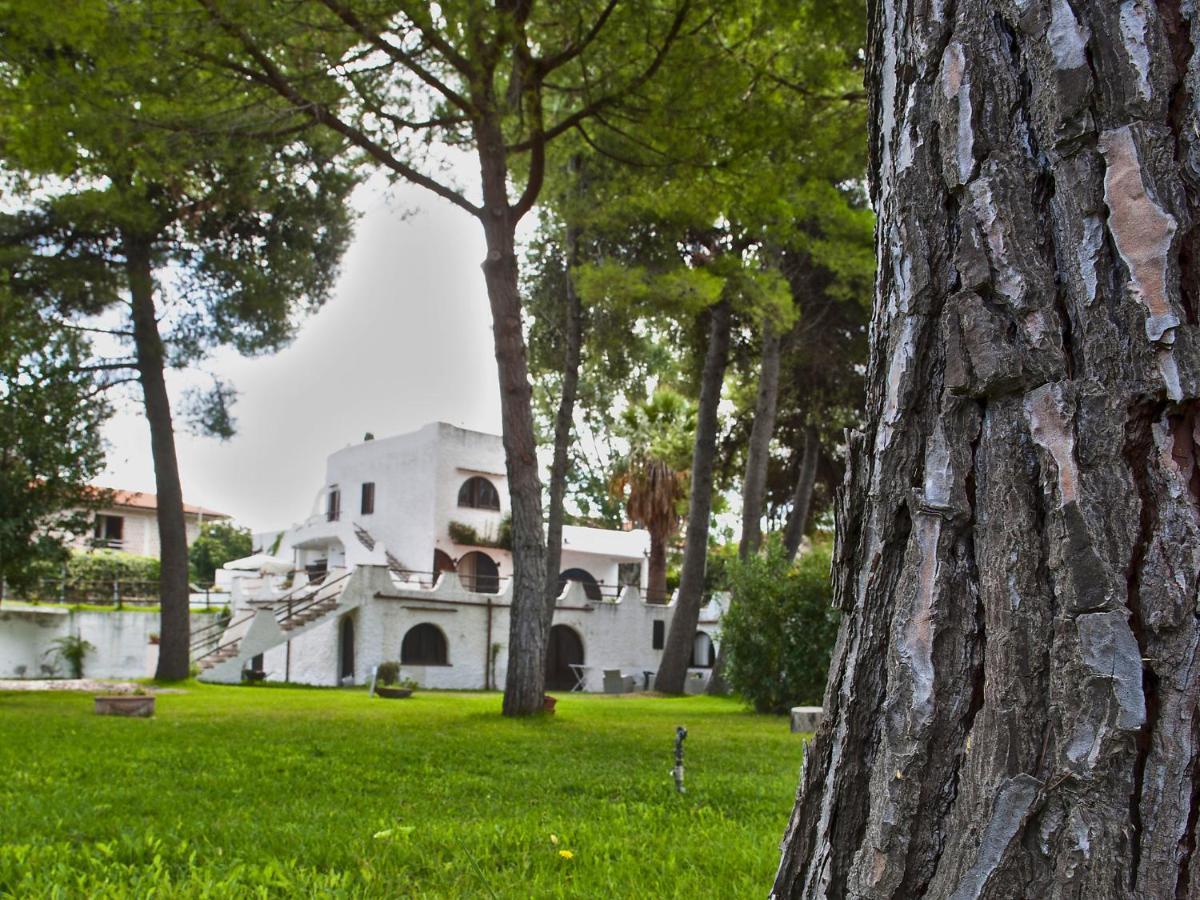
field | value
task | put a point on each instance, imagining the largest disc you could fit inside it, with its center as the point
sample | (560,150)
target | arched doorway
(584,577)
(704,655)
(346,649)
(424,645)
(565,647)
(479,573)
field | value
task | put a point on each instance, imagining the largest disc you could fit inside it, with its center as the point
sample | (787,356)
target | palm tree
(653,477)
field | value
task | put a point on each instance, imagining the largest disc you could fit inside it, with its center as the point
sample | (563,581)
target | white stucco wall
(615,635)
(121,639)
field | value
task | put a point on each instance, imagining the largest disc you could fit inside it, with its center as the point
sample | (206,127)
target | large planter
(138,705)
(392,693)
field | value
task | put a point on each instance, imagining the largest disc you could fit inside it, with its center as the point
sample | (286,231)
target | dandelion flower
(566,854)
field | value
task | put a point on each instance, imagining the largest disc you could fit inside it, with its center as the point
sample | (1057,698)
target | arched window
(704,655)
(584,577)
(424,645)
(478,493)
(478,572)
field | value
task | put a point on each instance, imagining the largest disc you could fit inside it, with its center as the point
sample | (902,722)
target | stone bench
(806,718)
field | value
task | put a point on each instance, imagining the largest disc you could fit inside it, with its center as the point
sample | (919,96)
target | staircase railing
(287,605)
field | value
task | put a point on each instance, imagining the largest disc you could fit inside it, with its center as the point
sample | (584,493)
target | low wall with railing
(125,642)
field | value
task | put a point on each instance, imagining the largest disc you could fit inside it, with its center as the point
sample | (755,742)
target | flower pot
(139,705)
(548,703)
(392,693)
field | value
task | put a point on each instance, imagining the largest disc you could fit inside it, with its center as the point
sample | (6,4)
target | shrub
(779,632)
(71,650)
(388,672)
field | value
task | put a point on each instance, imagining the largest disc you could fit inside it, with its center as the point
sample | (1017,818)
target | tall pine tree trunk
(754,485)
(1012,705)
(175,616)
(677,654)
(530,621)
(564,418)
(806,478)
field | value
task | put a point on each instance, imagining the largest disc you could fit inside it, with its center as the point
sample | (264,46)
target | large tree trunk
(1012,705)
(564,418)
(806,478)
(754,486)
(174,648)
(677,654)
(530,621)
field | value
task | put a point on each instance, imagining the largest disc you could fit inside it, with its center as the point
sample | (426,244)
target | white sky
(405,339)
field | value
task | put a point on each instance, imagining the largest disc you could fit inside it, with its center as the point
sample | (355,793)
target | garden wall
(121,639)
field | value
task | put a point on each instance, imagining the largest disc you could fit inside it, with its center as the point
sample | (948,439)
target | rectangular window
(368,498)
(660,629)
(333,511)
(110,531)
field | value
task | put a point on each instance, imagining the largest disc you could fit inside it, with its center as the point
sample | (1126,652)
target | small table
(580,671)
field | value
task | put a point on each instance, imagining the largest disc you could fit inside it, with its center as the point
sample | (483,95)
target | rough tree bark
(754,485)
(797,522)
(565,416)
(677,653)
(175,616)
(1012,705)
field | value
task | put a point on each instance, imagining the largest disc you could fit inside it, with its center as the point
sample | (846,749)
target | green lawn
(288,792)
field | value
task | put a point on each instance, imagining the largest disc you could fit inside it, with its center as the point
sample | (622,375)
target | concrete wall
(121,639)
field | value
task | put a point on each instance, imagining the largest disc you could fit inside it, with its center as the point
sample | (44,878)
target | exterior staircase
(268,626)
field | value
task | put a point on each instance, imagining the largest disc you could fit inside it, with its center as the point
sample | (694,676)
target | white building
(404,557)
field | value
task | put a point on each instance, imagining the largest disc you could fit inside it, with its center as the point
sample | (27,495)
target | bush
(72,649)
(217,544)
(388,672)
(779,632)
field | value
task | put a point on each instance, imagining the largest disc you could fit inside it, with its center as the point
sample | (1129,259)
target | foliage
(216,544)
(52,445)
(780,630)
(462,533)
(418,793)
(388,672)
(652,477)
(72,649)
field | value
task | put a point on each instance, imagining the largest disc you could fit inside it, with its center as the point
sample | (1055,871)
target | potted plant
(389,684)
(137,703)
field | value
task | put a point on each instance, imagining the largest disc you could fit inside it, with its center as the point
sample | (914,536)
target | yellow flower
(566,854)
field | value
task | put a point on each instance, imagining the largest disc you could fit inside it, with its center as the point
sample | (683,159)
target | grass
(287,792)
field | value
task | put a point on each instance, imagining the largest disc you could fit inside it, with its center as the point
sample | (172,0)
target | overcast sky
(405,339)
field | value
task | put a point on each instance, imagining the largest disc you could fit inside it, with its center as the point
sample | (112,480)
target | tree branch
(600,103)
(548,64)
(270,76)
(399,55)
